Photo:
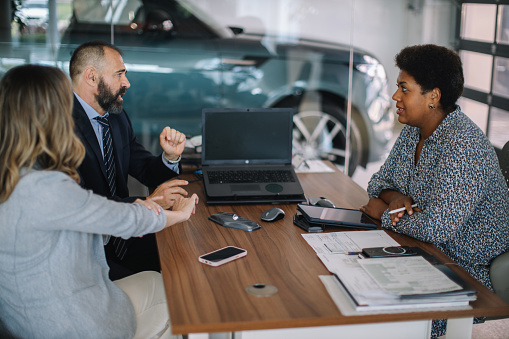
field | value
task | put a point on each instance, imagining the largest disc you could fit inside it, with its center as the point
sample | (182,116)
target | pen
(347,253)
(400,209)
(327,247)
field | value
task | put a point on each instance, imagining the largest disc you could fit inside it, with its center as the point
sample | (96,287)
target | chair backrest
(503,158)
(499,268)
(499,276)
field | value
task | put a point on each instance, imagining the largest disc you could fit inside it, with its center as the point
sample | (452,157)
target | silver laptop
(247,156)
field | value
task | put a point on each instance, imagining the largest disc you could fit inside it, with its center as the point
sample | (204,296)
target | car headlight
(376,111)
(372,70)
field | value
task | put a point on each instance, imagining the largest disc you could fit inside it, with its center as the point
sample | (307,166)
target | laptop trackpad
(274,188)
(251,188)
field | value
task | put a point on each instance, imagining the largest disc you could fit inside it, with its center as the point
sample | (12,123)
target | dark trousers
(141,255)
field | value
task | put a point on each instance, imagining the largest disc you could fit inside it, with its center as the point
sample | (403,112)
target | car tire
(321,134)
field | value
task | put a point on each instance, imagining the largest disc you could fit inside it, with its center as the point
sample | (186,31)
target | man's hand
(375,208)
(172,142)
(186,205)
(168,192)
(182,210)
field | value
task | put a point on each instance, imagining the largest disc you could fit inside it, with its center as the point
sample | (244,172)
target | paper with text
(346,242)
(355,279)
(408,275)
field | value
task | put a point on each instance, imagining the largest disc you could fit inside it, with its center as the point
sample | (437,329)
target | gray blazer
(53,272)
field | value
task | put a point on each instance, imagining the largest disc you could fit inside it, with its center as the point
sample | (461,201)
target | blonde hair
(36,125)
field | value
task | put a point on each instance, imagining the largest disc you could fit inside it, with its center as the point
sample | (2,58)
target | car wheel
(322,135)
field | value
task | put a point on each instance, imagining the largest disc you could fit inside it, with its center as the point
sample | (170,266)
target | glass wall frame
(483,44)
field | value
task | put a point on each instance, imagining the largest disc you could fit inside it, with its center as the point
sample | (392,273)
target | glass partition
(332,62)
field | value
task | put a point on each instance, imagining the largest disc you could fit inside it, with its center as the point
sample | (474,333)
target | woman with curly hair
(53,273)
(443,163)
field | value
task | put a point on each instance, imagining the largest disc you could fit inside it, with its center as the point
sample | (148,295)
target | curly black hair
(432,67)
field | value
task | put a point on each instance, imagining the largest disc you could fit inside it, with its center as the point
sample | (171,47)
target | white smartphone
(222,255)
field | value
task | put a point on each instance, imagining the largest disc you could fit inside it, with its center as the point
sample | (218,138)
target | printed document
(408,275)
(348,242)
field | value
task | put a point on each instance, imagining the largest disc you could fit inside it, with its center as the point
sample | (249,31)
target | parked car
(180,61)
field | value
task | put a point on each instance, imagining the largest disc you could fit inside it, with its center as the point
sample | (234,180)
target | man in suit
(113,152)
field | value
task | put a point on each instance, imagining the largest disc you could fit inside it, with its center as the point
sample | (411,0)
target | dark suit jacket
(130,157)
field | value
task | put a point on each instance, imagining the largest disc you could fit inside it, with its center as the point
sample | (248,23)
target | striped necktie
(109,160)
(119,244)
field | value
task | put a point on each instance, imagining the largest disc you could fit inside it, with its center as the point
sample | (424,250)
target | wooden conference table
(206,299)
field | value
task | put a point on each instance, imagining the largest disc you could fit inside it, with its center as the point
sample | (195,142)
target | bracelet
(173,162)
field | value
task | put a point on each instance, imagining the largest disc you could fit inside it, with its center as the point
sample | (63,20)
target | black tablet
(336,216)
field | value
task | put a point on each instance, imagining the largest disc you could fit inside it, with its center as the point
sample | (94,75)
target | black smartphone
(389,251)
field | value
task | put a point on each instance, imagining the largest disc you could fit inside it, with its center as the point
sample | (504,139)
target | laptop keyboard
(250,176)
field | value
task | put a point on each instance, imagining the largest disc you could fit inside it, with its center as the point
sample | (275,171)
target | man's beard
(108,100)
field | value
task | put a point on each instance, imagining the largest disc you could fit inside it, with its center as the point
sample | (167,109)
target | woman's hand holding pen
(400,206)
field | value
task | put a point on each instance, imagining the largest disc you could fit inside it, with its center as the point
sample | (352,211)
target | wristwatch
(173,162)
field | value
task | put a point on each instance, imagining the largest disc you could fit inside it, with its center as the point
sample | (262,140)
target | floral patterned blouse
(458,185)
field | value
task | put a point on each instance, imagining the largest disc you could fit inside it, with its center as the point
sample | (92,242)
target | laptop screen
(247,136)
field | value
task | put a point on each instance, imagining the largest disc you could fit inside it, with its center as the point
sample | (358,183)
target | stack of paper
(385,285)
(396,283)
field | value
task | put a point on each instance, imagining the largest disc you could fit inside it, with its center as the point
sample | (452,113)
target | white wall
(382,27)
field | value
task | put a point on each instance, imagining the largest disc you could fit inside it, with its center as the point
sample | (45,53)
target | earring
(431,106)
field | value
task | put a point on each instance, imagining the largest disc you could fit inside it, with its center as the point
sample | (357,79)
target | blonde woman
(53,273)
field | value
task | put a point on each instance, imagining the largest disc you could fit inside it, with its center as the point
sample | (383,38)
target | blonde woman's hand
(151,204)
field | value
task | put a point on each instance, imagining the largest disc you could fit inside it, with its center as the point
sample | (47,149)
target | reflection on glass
(183,56)
(476,111)
(478,22)
(503,24)
(114,12)
(501,77)
(477,70)
(30,19)
(499,125)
